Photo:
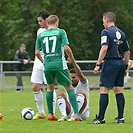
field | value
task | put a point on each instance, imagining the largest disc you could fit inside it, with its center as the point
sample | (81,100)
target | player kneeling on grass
(81,88)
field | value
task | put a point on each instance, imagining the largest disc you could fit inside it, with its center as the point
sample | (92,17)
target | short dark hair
(43,14)
(72,70)
(110,16)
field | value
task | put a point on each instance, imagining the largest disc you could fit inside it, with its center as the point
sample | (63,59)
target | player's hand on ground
(96,69)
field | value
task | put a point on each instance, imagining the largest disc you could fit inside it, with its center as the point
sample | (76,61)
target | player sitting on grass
(81,88)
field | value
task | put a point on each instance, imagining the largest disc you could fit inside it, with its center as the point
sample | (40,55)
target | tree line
(81,19)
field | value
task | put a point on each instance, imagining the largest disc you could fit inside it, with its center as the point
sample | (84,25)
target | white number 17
(46,42)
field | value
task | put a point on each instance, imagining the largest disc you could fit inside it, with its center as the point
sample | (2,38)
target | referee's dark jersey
(116,41)
(113,68)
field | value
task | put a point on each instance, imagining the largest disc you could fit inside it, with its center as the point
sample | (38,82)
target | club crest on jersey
(118,35)
(103,39)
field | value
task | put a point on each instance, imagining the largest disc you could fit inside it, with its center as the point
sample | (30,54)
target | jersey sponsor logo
(103,39)
(52,55)
(118,35)
(118,41)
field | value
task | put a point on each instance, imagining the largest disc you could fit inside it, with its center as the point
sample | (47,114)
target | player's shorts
(62,77)
(38,76)
(112,73)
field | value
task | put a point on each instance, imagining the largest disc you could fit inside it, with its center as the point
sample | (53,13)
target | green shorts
(62,76)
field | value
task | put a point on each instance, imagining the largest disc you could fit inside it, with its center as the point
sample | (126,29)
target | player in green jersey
(54,43)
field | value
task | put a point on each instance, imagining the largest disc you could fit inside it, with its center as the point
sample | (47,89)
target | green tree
(18,25)
(81,19)
(83,22)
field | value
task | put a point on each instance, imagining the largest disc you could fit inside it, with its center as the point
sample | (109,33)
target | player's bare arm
(78,70)
(126,57)
(37,53)
(102,54)
(69,53)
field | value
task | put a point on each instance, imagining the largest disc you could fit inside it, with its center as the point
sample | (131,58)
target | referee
(115,52)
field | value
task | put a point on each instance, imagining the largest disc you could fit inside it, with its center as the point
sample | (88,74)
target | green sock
(49,99)
(73,101)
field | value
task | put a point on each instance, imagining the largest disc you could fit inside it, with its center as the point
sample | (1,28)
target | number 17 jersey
(52,41)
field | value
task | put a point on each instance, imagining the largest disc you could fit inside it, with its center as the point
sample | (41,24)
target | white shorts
(38,76)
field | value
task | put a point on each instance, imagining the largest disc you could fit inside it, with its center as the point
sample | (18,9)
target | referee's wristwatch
(98,64)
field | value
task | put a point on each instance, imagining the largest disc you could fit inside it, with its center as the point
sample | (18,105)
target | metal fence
(8,78)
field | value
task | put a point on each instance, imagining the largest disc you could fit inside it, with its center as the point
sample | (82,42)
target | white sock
(54,101)
(39,101)
(80,99)
(62,105)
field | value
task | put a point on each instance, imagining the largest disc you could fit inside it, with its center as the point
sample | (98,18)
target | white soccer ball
(27,113)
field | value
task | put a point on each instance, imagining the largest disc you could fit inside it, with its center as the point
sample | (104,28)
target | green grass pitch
(11,104)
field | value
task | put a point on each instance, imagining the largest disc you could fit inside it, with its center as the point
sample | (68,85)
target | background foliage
(81,19)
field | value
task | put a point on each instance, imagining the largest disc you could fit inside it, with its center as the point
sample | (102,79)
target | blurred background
(82,20)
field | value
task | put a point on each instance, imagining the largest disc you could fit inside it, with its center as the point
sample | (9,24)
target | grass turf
(11,104)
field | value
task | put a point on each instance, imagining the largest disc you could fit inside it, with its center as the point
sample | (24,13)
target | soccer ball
(27,113)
